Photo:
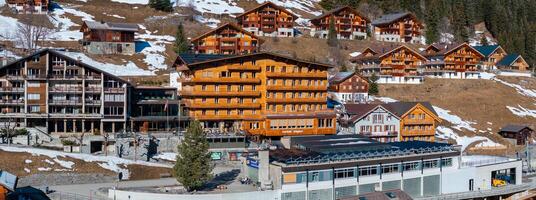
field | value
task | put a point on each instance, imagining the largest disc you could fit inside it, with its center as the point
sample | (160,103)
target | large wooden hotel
(263,94)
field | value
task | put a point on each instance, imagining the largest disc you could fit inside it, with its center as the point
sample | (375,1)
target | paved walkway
(90,190)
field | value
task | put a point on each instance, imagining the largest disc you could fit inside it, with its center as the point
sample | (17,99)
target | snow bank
(519,89)
(382,99)
(521,111)
(354,54)
(173,76)
(130,69)
(521,74)
(66,32)
(487,76)
(447,133)
(458,122)
(108,162)
(28,161)
(9,27)
(169,156)
(210,6)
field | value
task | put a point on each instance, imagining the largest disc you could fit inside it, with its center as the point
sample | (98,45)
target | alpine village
(267,99)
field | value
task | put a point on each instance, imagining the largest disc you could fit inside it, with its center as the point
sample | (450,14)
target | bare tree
(8,129)
(106,137)
(30,32)
(80,139)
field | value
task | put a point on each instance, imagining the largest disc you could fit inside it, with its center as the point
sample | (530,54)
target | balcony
(227,117)
(93,89)
(221,93)
(223,105)
(221,80)
(296,88)
(36,77)
(64,102)
(93,77)
(114,90)
(297,74)
(11,90)
(65,89)
(11,101)
(380,134)
(92,102)
(14,77)
(296,100)
(428,121)
(244,68)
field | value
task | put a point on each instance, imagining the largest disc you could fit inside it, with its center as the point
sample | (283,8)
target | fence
(72,196)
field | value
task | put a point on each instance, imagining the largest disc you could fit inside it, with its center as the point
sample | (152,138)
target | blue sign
(252,163)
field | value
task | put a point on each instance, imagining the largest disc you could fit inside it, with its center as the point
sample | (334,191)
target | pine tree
(181,42)
(373,86)
(343,68)
(332,33)
(193,167)
(484,40)
(432,22)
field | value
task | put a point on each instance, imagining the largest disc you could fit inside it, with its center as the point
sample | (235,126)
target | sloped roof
(513,128)
(217,58)
(188,58)
(266,4)
(486,50)
(340,77)
(232,25)
(358,111)
(508,60)
(111,26)
(390,18)
(28,192)
(401,108)
(336,10)
(447,48)
(383,50)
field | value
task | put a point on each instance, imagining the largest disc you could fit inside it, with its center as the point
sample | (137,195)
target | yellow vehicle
(498,182)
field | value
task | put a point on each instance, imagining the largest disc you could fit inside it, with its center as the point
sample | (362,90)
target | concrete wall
(257,195)
(110,48)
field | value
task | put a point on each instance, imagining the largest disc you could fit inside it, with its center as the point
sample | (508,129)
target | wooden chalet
(493,54)
(513,62)
(268,19)
(349,24)
(29,6)
(261,94)
(227,39)
(348,87)
(460,61)
(398,27)
(108,38)
(391,64)
(418,120)
(517,134)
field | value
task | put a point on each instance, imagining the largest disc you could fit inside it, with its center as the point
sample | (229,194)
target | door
(119,48)
(471,184)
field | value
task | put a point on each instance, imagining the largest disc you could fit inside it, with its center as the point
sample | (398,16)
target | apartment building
(348,87)
(268,19)
(398,27)
(262,94)
(108,38)
(29,6)
(391,122)
(54,92)
(459,61)
(349,24)
(393,64)
(339,166)
(227,39)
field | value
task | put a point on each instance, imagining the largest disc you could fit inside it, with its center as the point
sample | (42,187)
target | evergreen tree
(332,33)
(432,19)
(343,68)
(484,40)
(181,42)
(163,5)
(373,86)
(193,167)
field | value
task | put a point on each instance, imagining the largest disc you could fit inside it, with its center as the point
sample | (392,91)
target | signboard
(252,163)
(8,180)
(215,155)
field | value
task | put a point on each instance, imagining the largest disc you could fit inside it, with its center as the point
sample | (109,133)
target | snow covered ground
(108,162)
(210,6)
(519,89)
(129,69)
(458,122)
(168,156)
(447,133)
(521,111)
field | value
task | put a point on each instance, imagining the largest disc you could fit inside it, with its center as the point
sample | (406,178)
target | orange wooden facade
(263,94)
(462,58)
(227,39)
(419,123)
(30,6)
(268,18)
(403,28)
(3,193)
(398,61)
(347,22)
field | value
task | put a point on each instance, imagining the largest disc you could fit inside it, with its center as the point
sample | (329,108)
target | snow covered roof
(513,128)
(111,26)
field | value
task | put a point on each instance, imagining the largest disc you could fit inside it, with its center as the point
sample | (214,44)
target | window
(34,84)
(345,173)
(203,87)
(411,166)
(34,109)
(113,110)
(368,171)
(114,97)
(429,164)
(34,96)
(389,169)
(446,162)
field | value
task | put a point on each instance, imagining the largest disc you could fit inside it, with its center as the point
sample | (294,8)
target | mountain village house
(348,87)
(497,59)
(390,122)
(227,39)
(268,19)
(263,94)
(29,6)
(391,64)
(516,134)
(108,38)
(398,27)
(459,61)
(349,24)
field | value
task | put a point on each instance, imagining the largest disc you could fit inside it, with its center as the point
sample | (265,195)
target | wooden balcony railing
(114,90)
(297,74)
(296,100)
(297,88)
(223,105)
(11,101)
(221,80)
(11,89)
(244,67)
(220,93)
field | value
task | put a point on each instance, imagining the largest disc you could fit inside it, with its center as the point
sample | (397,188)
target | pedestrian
(120,176)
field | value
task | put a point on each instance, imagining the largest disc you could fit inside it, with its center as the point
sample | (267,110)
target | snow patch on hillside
(458,122)
(9,27)
(129,69)
(303,5)
(211,6)
(108,162)
(519,89)
(67,32)
(521,111)
(447,133)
